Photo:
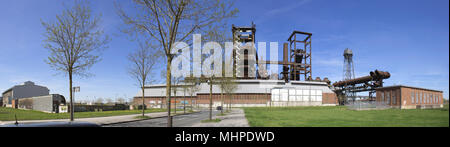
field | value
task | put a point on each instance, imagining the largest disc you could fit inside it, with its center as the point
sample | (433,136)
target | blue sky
(408,38)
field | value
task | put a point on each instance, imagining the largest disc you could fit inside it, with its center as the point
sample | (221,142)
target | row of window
(424,98)
(285,95)
(416,98)
(386,97)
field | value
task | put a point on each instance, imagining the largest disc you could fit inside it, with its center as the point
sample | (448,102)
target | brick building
(408,97)
(250,93)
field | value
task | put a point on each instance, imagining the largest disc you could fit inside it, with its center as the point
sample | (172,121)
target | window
(382,97)
(394,97)
(388,98)
(275,95)
(292,95)
(420,98)
(417,98)
(432,98)
(412,98)
(284,95)
(437,99)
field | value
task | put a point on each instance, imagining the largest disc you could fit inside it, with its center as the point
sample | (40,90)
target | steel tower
(349,72)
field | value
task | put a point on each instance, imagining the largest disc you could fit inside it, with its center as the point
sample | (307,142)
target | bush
(139,107)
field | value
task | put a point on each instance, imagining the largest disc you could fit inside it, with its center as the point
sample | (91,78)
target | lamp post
(210,97)
(74,89)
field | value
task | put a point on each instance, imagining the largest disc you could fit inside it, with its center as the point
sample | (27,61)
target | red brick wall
(236,98)
(404,96)
(329,98)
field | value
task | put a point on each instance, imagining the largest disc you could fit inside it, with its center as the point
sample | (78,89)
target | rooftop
(405,86)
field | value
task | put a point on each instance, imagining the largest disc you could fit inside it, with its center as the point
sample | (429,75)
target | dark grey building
(26,90)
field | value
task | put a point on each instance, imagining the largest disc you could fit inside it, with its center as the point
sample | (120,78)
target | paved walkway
(236,118)
(98,120)
(178,121)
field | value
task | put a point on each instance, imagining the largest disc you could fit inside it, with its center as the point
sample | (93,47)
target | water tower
(349,72)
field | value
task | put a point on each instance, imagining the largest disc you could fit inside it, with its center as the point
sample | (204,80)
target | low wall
(42,103)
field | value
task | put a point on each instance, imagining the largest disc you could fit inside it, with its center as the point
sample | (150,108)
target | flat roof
(399,86)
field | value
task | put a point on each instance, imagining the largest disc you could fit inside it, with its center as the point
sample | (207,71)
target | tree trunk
(168,89)
(71,96)
(143,101)
(184,102)
(221,99)
(175,99)
(231,101)
(191,102)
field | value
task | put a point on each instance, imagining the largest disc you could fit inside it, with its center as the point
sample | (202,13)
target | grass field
(341,117)
(7,114)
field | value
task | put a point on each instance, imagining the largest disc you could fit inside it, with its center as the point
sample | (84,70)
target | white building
(249,93)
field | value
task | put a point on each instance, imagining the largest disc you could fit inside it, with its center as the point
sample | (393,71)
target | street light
(74,89)
(210,81)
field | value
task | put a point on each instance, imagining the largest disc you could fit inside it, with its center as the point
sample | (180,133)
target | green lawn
(7,114)
(339,116)
(211,121)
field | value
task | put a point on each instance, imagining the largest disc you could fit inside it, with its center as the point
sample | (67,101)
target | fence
(100,107)
(366,105)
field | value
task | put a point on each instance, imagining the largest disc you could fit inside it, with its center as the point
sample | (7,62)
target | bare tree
(171,21)
(185,88)
(109,101)
(74,42)
(121,100)
(218,35)
(143,62)
(229,85)
(176,85)
(192,87)
(99,101)
(176,82)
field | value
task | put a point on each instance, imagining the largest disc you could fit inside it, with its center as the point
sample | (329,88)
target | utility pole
(184,101)
(210,97)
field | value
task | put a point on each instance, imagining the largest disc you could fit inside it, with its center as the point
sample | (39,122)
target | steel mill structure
(367,83)
(256,87)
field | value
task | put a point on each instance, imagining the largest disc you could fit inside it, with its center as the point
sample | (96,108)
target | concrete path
(178,121)
(236,118)
(98,120)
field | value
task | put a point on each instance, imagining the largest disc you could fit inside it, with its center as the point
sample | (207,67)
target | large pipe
(374,76)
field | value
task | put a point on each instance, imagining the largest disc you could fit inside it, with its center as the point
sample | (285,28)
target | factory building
(249,93)
(408,97)
(26,90)
(294,86)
